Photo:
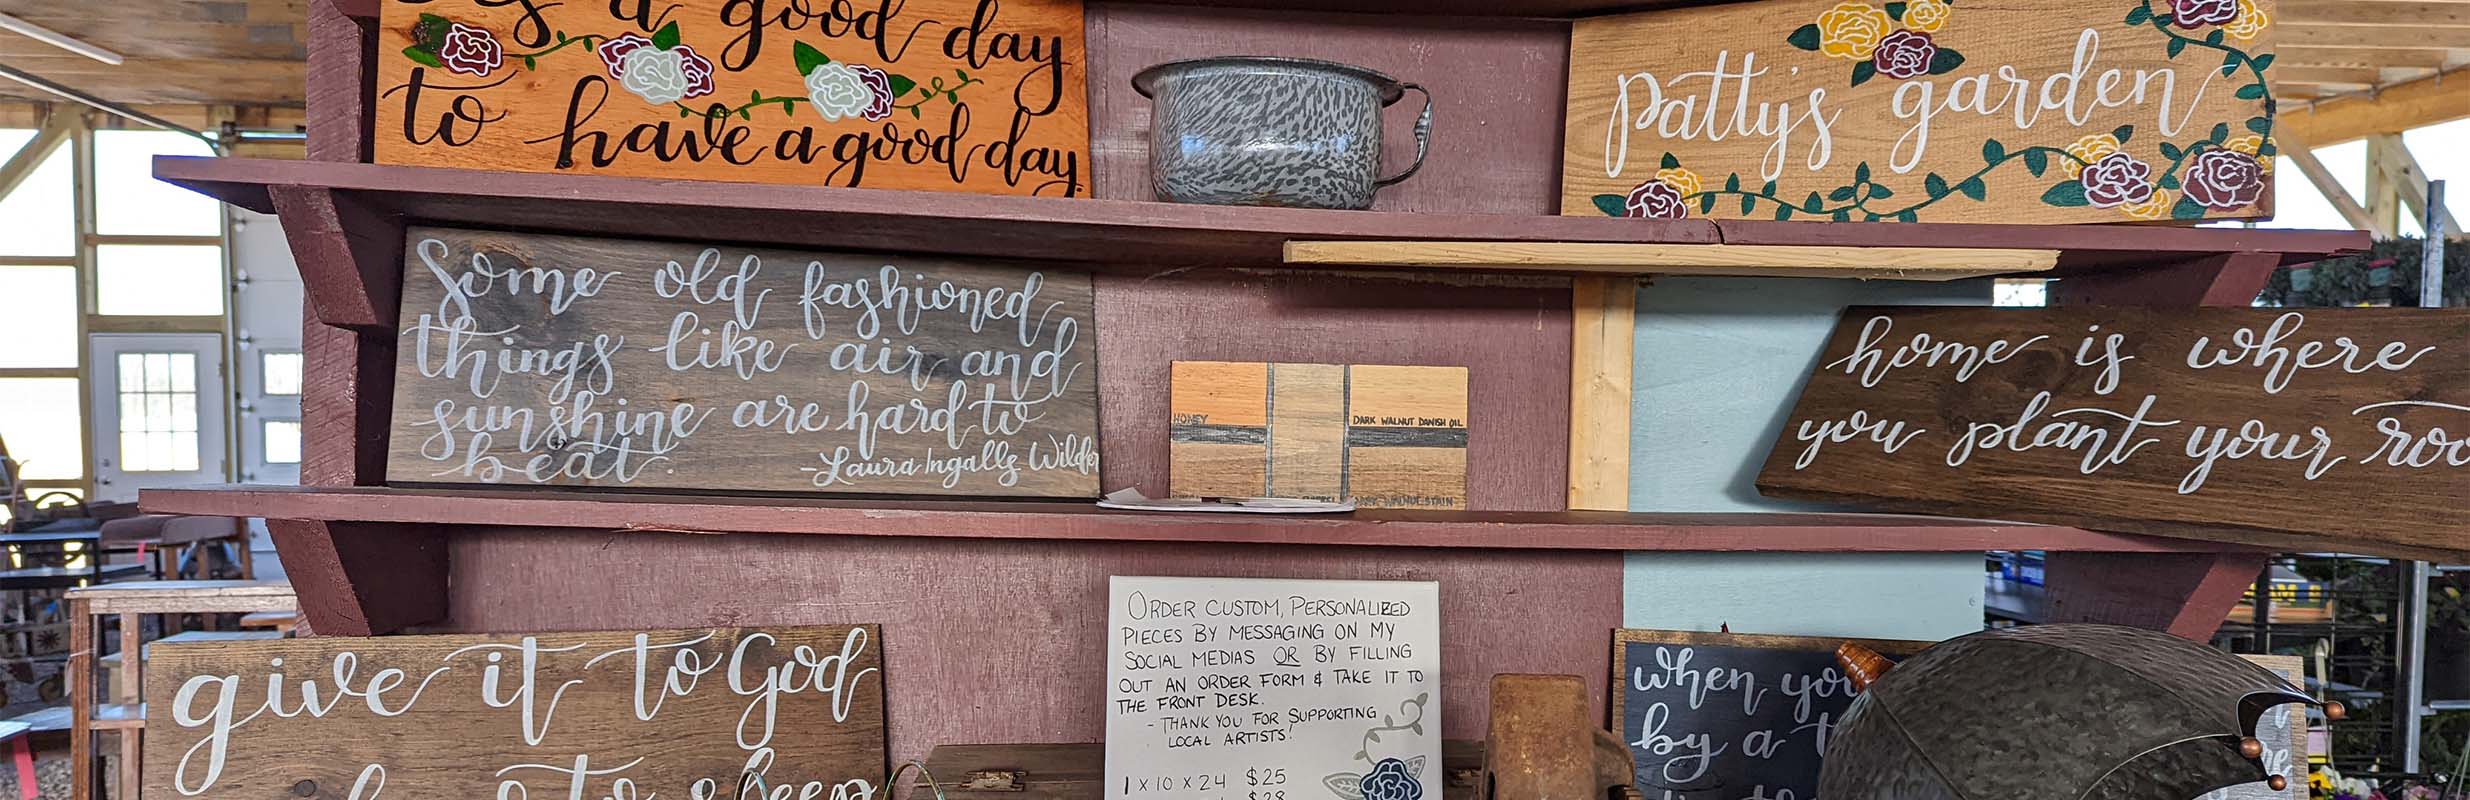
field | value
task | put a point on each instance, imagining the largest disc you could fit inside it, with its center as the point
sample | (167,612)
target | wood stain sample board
(672,713)
(2024,111)
(2325,428)
(535,360)
(1386,436)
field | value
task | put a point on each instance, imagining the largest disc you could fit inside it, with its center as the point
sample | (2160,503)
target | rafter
(56,130)
(2372,13)
(2304,157)
(2391,109)
(2362,36)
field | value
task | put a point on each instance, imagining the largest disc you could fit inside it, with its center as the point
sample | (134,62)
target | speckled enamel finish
(1270,132)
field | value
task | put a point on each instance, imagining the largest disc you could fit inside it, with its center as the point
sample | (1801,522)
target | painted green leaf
(1869,216)
(1841,194)
(2037,162)
(2267,150)
(1749,202)
(1861,172)
(2230,61)
(2187,209)
(1992,152)
(2066,194)
(901,84)
(914,113)
(1706,202)
(1782,212)
(531,63)
(423,56)
(2263,62)
(1936,186)
(2170,151)
(1811,203)
(1895,11)
(1909,215)
(1973,187)
(1669,162)
(1804,37)
(1862,72)
(1612,205)
(1768,190)
(2221,131)
(2214,38)
(2252,91)
(1946,61)
(1880,191)
(2123,132)
(667,37)
(1732,182)
(2168,182)
(2260,126)
(1843,215)
(808,58)
(2139,14)
(2177,46)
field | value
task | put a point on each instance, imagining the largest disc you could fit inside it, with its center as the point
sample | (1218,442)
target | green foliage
(2351,280)
(808,58)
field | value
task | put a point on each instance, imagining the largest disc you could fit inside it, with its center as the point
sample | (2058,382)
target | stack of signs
(749,712)
(1383,436)
(1273,689)
(1719,716)
(564,361)
(952,95)
(2030,111)
(2323,429)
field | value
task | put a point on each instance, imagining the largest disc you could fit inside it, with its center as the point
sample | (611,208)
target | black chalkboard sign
(1721,716)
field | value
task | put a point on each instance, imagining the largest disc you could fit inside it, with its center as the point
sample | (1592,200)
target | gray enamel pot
(1272,131)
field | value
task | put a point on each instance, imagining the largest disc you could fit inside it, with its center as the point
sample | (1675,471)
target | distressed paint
(1718,363)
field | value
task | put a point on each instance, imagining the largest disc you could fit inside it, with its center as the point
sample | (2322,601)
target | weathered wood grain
(951,95)
(1384,436)
(668,712)
(746,369)
(1923,110)
(2232,424)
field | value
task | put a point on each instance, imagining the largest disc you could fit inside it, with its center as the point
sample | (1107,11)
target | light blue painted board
(1719,363)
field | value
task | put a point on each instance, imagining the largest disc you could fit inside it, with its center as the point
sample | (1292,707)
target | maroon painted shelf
(1121,235)
(1066,521)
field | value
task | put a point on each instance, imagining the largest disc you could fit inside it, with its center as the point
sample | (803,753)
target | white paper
(1133,500)
(1252,689)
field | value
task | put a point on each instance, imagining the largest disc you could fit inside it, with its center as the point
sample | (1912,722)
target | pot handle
(1423,137)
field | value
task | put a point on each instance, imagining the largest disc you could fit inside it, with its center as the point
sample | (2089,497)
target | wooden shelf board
(1119,235)
(1744,260)
(1561,530)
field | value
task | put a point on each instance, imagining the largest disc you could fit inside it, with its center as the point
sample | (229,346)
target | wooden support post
(350,257)
(2328,186)
(2383,193)
(1603,328)
(78,678)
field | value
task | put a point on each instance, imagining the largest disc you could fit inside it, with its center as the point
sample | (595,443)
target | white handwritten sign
(555,360)
(689,714)
(1246,689)
(2251,425)
(1720,716)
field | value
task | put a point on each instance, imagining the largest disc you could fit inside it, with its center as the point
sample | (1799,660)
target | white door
(158,412)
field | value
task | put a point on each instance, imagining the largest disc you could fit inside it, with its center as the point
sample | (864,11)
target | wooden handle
(1861,665)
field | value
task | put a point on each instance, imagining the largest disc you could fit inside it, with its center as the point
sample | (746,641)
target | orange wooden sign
(954,95)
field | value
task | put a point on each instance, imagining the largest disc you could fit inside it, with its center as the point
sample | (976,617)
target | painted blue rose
(1390,780)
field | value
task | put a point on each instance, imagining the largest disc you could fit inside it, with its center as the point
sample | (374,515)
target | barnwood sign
(1726,716)
(554,360)
(2346,429)
(2032,111)
(1383,436)
(956,95)
(717,713)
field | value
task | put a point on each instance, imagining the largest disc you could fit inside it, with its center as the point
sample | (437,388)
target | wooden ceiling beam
(2360,36)
(2291,73)
(2422,58)
(2373,13)
(55,132)
(2392,109)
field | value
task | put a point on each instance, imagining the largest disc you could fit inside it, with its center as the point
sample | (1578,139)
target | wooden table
(132,601)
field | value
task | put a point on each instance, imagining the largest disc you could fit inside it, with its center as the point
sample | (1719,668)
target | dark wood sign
(554,360)
(950,95)
(710,713)
(1723,716)
(2341,428)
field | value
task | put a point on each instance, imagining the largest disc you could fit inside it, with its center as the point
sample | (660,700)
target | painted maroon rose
(2224,179)
(698,71)
(613,53)
(470,50)
(2198,13)
(1656,200)
(879,86)
(2117,179)
(1904,54)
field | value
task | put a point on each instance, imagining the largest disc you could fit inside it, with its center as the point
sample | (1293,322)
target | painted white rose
(838,92)
(658,76)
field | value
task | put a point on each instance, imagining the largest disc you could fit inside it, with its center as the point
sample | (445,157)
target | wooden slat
(2355,36)
(1893,263)
(118,717)
(1603,341)
(171,597)
(2397,13)
(2361,76)
(1559,530)
(2421,58)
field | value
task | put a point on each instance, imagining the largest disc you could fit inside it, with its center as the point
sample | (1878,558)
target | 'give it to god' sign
(2034,111)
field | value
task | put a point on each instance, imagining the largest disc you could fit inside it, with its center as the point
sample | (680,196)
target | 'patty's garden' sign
(1854,110)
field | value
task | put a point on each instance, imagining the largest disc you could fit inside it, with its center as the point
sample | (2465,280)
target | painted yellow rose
(2251,144)
(2090,149)
(1926,15)
(2154,207)
(1851,30)
(1681,179)
(2251,21)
